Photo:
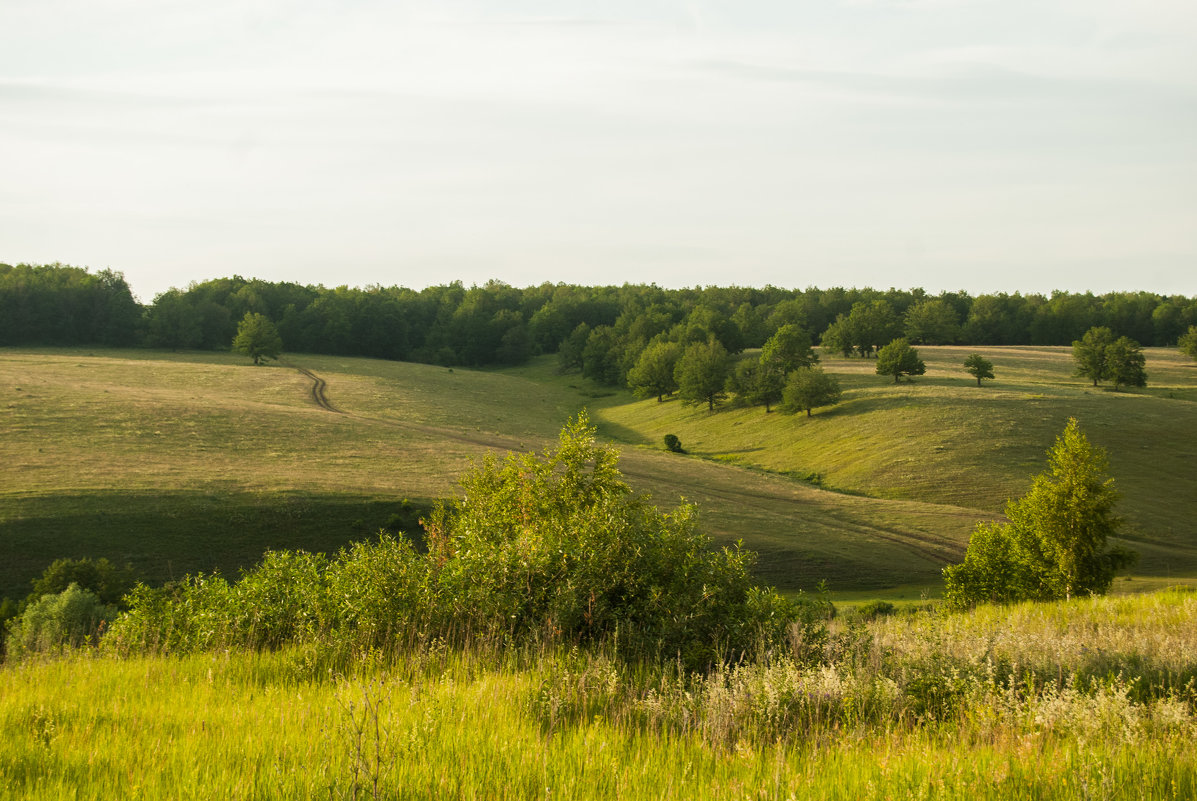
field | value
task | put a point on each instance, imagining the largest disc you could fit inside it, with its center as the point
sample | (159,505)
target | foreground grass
(1086,699)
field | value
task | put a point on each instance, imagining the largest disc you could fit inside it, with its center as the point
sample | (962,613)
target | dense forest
(601,330)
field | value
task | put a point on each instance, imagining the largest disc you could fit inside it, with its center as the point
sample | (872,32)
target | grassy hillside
(181,462)
(943,440)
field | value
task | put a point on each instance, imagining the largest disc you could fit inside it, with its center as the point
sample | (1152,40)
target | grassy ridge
(942,440)
(1003,704)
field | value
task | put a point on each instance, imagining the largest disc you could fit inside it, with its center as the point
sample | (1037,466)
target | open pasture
(179,462)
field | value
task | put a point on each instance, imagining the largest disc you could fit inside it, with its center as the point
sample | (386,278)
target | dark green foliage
(673,444)
(1089,353)
(1099,356)
(755,382)
(258,338)
(702,373)
(1125,363)
(108,582)
(978,367)
(932,322)
(875,609)
(899,359)
(540,547)
(653,372)
(1055,543)
(809,388)
(787,350)
(55,304)
(70,618)
(1188,342)
(499,324)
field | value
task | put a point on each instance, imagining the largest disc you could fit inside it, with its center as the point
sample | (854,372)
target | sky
(1013,145)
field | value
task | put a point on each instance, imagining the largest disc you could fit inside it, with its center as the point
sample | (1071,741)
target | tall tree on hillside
(899,359)
(978,367)
(257,338)
(702,372)
(838,337)
(755,382)
(788,349)
(809,388)
(653,372)
(1089,353)
(1125,363)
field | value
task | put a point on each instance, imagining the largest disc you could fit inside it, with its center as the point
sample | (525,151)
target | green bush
(551,547)
(673,444)
(71,618)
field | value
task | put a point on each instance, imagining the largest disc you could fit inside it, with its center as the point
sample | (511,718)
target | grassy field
(944,442)
(1088,699)
(183,462)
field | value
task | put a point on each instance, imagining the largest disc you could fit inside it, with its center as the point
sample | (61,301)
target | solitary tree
(1089,353)
(899,359)
(1055,543)
(257,338)
(701,373)
(979,367)
(809,388)
(1125,363)
(653,372)
(1188,342)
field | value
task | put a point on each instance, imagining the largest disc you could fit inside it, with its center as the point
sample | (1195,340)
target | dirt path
(319,387)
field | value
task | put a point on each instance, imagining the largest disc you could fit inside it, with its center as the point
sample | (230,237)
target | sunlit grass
(878,717)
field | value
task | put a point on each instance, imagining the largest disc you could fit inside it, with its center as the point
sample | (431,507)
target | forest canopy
(600,330)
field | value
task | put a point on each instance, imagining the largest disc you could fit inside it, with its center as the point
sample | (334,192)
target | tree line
(603,331)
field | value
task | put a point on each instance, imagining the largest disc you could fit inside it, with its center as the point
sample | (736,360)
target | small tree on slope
(1055,543)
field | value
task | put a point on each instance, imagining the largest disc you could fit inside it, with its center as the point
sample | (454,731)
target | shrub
(539,548)
(70,618)
(672,443)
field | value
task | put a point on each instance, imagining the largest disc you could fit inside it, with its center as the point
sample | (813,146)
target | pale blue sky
(989,146)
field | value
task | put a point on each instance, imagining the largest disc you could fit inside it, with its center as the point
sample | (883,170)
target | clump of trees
(1055,543)
(1099,357)
(551,547)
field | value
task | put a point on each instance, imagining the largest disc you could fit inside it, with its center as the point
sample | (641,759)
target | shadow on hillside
(165,536)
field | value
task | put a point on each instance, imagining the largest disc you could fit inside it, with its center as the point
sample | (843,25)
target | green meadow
(178,462)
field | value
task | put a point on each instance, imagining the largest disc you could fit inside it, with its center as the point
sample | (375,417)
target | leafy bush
(551,547)
(673,444)
(100,576)
(70,618)
(875,609)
